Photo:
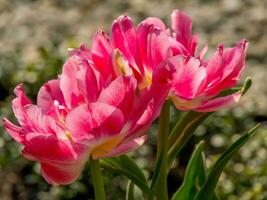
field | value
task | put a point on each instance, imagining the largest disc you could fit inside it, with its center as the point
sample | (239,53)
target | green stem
(162,148)
(97,180)
(180,125)
(182,132)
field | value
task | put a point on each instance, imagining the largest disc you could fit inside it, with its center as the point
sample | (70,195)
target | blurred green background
(34,38)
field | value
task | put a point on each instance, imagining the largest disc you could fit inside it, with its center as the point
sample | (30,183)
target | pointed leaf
(155,176)
(207,190)
(130,191)
(183,131)
(195,175)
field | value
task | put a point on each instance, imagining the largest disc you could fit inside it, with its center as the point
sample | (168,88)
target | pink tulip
(101,106)
(43,134)
(180,37)
(196,83)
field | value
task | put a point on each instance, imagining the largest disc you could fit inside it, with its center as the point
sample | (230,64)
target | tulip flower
(44,137)
(196,83)
(180,37)
(75,118)
(140,51)
(101,106)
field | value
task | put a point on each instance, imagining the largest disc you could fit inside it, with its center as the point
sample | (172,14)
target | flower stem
(182,132)
(97,179)
(162,148)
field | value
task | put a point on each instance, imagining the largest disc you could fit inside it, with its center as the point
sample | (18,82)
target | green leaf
(195,175)
(183,131)
(124,165)
(130,191)
(243,89)
(155,176)
(207,190)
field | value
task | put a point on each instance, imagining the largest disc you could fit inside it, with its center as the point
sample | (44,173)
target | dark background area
(34,38)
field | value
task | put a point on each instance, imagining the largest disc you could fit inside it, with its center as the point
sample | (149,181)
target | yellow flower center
(105,147)
(121,66)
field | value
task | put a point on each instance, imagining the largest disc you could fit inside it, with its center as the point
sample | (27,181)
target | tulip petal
(190,77)
(153,44)
(182,25)
(48,148)
(123,37)
(82,52)
(48,93)
(120,93)
(225,67)
(94,122)
(101,51)
(218,103)
(14,131)
(19,104)
(155,21)
(59,174)
(125,147)
(234,60)
(73,74)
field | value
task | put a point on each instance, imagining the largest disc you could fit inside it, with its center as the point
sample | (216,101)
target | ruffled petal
(101,53)
(120,93)
(225,67)
(73,72)
(123,37)
(61,174)
(153,44)
(182,25)
(125,147)
(49,93)
(19,104)
(155,21)
(94,122)
(189,78)
(218,103)
(82,52)
(14,131)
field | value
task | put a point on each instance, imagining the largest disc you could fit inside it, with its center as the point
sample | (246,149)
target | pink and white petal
(82,52)
(48,148)
(178,48)
(155,21)
(19,92)
(182,25)
(141,125)
(39,122)
(125,147)
(92,83)
(190,77)
(120,93)
(153,45)
(225,67)
(203,52)
(14,131)
(123,37)
(101,50)
(234,60)
(19,104)
(69,82)
(48,93)
(218,103)
(90,123)
(62,174)
(193,44)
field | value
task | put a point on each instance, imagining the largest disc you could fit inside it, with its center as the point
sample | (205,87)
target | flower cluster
(108,95)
